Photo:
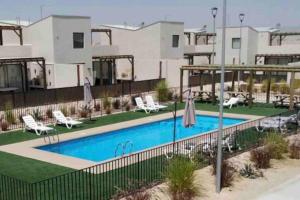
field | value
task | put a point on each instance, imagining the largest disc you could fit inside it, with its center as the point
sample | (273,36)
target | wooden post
(45,75)
(213,86)
(21,36)
(110,38)
(250,88)
(232,80)
(26,76)
(181,84)
(101,72)
(201,84)
(132,69)
(268,87)
(1,37)
(291,107)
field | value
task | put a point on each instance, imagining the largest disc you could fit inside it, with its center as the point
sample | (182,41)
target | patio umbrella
(189,117)
(87,93)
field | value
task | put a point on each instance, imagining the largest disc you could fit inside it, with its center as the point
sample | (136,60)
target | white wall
(70,79)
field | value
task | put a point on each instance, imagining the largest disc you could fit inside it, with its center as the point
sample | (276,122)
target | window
(78,40)
(175,41)
(236,43)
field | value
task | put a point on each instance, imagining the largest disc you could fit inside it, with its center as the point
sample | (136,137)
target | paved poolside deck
(27,148)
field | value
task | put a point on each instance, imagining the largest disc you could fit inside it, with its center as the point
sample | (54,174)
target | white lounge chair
(271,123)
(150,103)
(38,127)
(141,106)
(61,119)
(231,102)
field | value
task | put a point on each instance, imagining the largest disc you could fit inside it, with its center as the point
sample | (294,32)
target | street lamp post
(214,12)
(220,132)
(241,17)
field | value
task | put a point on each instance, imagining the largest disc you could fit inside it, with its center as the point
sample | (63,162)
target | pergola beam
(103,30)
(16,29)
(258,68)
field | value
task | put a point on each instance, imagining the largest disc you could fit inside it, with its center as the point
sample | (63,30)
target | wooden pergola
(281,36)
(16,29)
(268,69)
(113,58)
(23,64)
(102,30)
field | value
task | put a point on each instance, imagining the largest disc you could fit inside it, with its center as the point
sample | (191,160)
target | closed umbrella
(189,117)
(87,93)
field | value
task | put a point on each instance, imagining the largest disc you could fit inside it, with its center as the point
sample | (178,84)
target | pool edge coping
(28,148)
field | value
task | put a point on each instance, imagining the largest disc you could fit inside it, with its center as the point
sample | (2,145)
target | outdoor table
(244,95)
(281,99)
(200,94)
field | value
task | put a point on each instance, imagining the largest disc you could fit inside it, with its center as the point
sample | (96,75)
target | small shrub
(274,87)
(127,108)
(227,174)
(133,99)
(249,172)
(116,104)
(294,149)
(84,111)
(4,126)
(49,113)
(181,179)
(276,144)
(284,88)
(9,115)
(248,84)
(162,91)
(72,110)
(108,110)
(37,115)
(106,102)
(261,157)
(139,195)
(64,110)
(265,84)
(97,107)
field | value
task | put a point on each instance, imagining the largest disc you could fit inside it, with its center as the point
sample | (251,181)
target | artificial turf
(32,170)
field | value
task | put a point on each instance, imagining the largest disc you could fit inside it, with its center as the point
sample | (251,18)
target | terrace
(34,171)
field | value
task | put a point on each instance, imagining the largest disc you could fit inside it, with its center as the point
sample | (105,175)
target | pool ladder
(124,146)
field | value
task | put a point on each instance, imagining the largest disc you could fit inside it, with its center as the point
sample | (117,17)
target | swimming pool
(102,147)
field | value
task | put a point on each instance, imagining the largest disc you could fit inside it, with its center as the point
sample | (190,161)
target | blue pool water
(103,146)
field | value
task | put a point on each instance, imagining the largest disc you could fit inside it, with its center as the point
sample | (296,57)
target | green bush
(106,102)
(294,149)
(162,91)
(9,115)
(248,84)
(276,145)
(37,115)
(264,85)
(274,87)
(181,179)
(49,113)
(284,88)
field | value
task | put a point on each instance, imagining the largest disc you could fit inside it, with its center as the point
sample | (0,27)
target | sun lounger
(231,102)
(152,104)
(31,124)
(271,123)
(141,106)
(61,119)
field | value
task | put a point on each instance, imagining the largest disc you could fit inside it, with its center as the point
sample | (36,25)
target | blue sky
(195,13)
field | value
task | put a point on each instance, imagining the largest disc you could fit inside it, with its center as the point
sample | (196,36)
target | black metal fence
(105,180)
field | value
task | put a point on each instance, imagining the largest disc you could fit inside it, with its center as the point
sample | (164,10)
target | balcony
(105,50)
(7,51)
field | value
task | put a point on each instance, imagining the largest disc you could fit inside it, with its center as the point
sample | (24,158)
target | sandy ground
(242,188)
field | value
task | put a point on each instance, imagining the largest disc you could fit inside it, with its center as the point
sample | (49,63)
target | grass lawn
(33,170)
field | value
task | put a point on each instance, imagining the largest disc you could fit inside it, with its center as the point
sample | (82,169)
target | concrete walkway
(289,190)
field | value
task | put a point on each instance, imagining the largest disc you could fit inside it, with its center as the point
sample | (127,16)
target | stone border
(27,148)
